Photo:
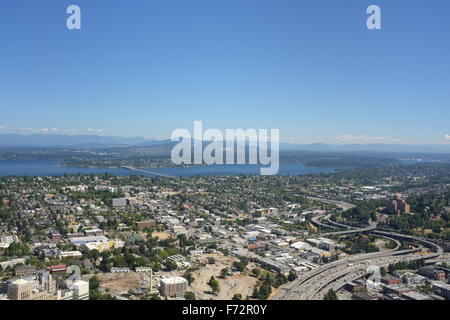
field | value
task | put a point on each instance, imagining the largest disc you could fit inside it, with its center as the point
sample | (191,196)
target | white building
(6,241)
(173,287)
(80,290)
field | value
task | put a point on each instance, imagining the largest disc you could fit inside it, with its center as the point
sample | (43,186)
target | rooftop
(173,280)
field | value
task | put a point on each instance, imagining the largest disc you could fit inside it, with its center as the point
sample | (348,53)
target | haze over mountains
(98,142)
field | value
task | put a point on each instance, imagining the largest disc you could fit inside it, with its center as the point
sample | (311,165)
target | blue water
(45,168)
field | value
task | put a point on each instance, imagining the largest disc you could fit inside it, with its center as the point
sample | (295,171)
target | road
(340,279)
(343,205)
(335,225)
(147,172)
(314,283)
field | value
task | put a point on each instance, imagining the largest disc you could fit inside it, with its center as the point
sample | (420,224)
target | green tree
(242,264)
(256,272)
(330,295)
(292,276)
(264,291)
(214,284)
(224,273)
(237,296)
(188,276)
(189,295)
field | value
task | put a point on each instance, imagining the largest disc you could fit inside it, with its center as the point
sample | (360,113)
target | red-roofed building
(58,268)
(390,280)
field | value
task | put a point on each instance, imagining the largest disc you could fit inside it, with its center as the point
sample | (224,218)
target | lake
(46,168)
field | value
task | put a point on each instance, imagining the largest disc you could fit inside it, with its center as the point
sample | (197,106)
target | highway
(343,205)
(316,282)
(312,280)
(371,227)
(316,221)
(335,225)
(338,280)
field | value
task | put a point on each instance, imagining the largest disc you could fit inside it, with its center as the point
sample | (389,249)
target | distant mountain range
(101,142)
(72,141)
(402,148)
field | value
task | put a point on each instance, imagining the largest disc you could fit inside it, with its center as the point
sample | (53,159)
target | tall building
(44,288)
(46,282)
(398,206)
(173,287)
(80,290)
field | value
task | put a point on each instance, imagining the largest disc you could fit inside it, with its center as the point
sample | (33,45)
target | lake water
(45,168)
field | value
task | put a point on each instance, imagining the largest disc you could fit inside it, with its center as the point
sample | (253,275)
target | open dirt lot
(161,235)
(120,283)
(242,284)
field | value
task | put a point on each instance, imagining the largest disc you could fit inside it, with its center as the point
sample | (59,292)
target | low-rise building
(390,280)
(70,254)
(25,270)
(141,225)
(442,289)
(414,295)
(432,273)
(120,270)
(119,202)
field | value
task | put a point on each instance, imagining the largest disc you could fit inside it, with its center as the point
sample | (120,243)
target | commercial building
(363,296)
(412,278)
(22,289)
(327,244)
(442,289)
(104,245)
(80,290)
(414,295)
(64,295)
(396,289)
(94,232)
(58,269)
(314,242)
(265,212)
(173,287)
(272,265)
(41,288)
(432,273)
(390,280)
(355,286)
(79,240)
(70,254)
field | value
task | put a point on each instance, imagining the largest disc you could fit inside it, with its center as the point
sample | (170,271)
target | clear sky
(310,68)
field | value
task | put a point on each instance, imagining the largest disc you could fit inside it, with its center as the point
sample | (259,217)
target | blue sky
(310,68)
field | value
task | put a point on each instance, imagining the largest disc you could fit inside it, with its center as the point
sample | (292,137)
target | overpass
(312,284)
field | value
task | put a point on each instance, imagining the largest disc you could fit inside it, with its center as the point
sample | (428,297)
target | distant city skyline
(309,68)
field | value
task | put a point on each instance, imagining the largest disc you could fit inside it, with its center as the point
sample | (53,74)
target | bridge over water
(147,172)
